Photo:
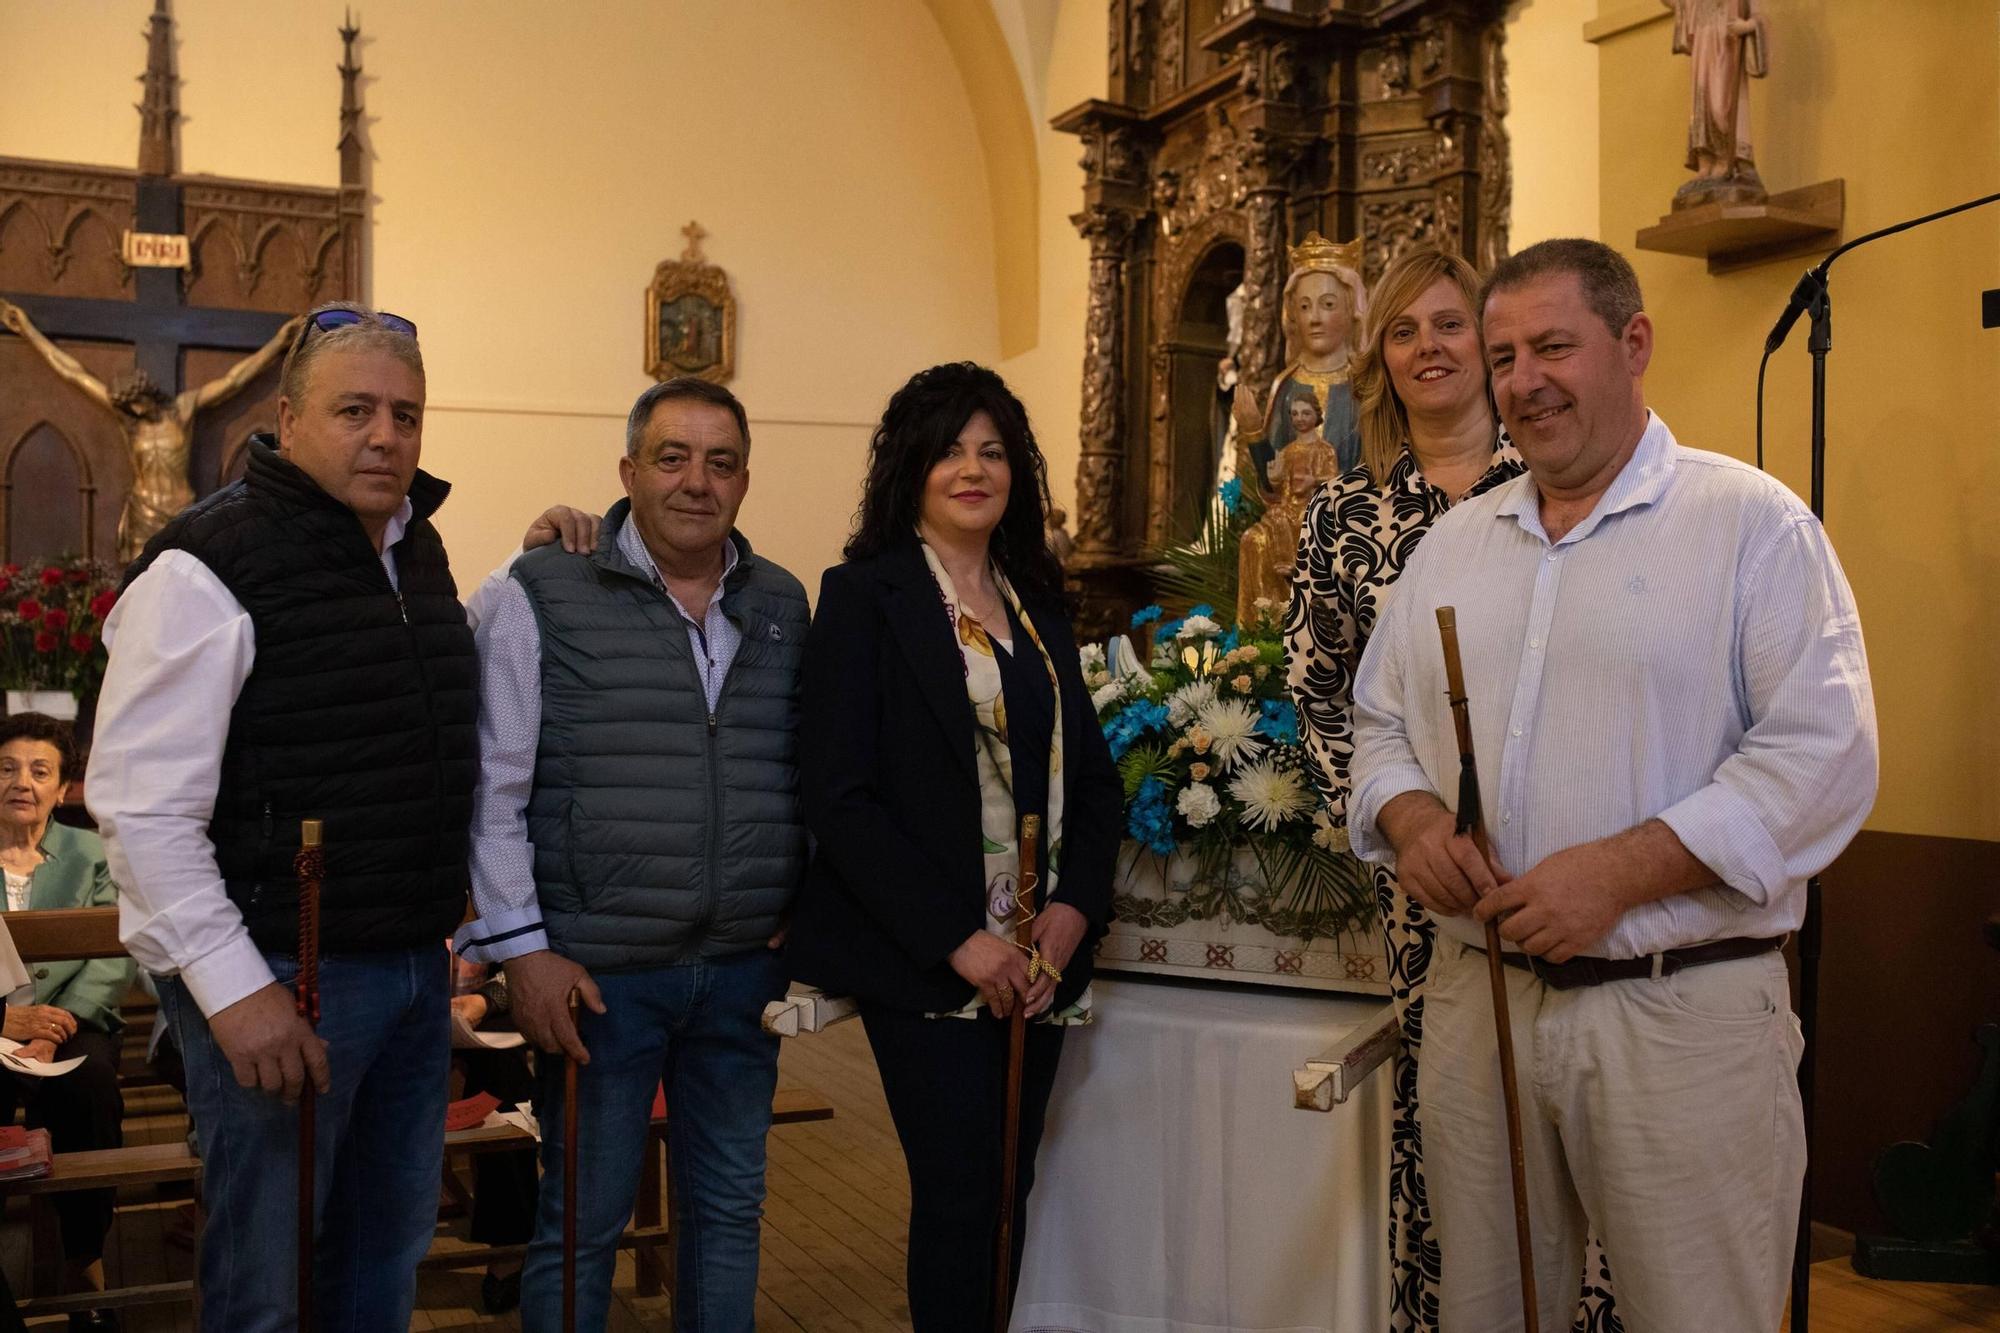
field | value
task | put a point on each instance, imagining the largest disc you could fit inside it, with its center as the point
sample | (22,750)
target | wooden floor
(833,1244)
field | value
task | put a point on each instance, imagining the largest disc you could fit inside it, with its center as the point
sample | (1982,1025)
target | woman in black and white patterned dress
(1429,438)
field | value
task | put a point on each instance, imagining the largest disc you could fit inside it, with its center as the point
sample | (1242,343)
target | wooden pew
(92,932)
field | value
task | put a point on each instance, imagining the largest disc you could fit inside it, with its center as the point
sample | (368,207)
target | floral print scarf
(999,825)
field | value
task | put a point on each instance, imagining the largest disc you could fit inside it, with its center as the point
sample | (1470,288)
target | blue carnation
(1131,722)
(1203,610)
(1146,616)
(1232,494)
(1280,722)
(1167,631)
(1230,638)
(1150,820)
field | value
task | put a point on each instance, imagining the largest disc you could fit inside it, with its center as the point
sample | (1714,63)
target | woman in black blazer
(941,700)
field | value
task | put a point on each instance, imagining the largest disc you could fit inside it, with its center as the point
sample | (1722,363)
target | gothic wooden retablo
(690,316)
(1232,131)
(147,400)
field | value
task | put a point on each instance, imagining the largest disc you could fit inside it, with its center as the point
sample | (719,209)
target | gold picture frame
(690,317)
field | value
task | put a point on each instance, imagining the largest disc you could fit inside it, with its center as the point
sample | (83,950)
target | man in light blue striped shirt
(1672,714)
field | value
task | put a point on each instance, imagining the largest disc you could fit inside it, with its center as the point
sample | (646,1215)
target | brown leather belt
(1579,972)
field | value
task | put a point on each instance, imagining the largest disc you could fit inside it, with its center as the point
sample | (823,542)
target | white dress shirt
(1689,652)
(181,647)
(510,732)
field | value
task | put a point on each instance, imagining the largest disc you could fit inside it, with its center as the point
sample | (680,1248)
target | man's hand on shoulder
(1439,867)
(539,986)
(576,529)
(269,1046)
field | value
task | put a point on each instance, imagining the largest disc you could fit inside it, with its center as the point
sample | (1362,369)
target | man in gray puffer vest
(636,840)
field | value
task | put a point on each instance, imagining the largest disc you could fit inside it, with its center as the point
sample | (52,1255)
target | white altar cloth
(1177,1189)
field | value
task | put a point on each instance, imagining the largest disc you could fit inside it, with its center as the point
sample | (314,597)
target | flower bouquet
(52,625)
(1233,866)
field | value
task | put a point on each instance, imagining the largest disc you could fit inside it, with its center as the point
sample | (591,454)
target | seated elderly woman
(73,1010)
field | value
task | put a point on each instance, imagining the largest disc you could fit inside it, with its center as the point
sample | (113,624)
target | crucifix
(155,410)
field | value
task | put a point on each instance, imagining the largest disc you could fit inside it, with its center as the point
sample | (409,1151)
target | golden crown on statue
(1316,254)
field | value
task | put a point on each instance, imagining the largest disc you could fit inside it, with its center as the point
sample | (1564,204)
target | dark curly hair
(923,419)
(42,727)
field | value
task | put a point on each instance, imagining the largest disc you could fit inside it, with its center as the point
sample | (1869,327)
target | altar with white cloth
(1178,1191)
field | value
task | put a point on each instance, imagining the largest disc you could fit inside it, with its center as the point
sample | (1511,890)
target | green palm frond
(1204,570)
(1142,762)
(1332,890)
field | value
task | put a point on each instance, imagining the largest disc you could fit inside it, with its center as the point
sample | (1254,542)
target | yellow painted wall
(1552,120)
(1899,99)
(533,163)
(1049,376)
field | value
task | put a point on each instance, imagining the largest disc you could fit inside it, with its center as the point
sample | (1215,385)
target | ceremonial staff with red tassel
(1469,823)
(310,867)
(1028,883)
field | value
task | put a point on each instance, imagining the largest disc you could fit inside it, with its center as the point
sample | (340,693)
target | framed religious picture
(690,317)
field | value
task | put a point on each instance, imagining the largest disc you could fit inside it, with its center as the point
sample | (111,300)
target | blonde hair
(1383,422)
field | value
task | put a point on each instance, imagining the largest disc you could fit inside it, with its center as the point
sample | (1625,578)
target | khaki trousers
(1663,1112)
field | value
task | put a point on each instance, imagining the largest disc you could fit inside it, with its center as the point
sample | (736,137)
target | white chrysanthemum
(1108,694)
(1198,804)
(1197,627)
(1270,796)
(1092,655)
(1188,700)
(1232,724)
(1327,835)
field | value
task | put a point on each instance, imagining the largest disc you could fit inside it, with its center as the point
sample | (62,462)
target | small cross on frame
(694,233)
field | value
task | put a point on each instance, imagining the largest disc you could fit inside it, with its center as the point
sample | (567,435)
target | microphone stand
(1812,298)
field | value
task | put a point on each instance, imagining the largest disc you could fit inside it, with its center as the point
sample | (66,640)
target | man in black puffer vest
(639,841)
(293,648)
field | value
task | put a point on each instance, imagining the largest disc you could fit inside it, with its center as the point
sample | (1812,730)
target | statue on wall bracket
(1728,43)
(690,317)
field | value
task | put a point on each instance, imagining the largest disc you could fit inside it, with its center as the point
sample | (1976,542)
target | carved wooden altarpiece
(258,253)
(1232,130)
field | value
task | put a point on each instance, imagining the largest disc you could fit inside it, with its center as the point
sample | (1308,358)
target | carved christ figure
(1728,44)
(158,426)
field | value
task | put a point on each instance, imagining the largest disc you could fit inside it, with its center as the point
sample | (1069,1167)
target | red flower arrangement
(52,623)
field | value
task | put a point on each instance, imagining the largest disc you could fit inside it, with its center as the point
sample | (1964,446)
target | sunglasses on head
(327,320)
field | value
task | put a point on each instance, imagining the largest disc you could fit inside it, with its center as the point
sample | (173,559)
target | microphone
(1810,288)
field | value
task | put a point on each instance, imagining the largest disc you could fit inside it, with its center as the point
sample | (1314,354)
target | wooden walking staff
(1017,1050)
(309,865)
(1469,823)
(569,1184)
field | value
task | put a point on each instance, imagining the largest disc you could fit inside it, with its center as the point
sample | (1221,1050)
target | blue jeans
(696,1027)
(380,1145)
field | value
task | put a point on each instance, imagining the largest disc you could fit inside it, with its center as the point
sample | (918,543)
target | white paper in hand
(50,1069)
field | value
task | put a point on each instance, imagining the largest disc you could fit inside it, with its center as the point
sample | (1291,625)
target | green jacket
(76,875)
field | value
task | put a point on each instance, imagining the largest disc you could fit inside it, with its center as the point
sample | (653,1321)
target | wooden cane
(569,1183)
(1017,1050)
(1469,823)
(309,866)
